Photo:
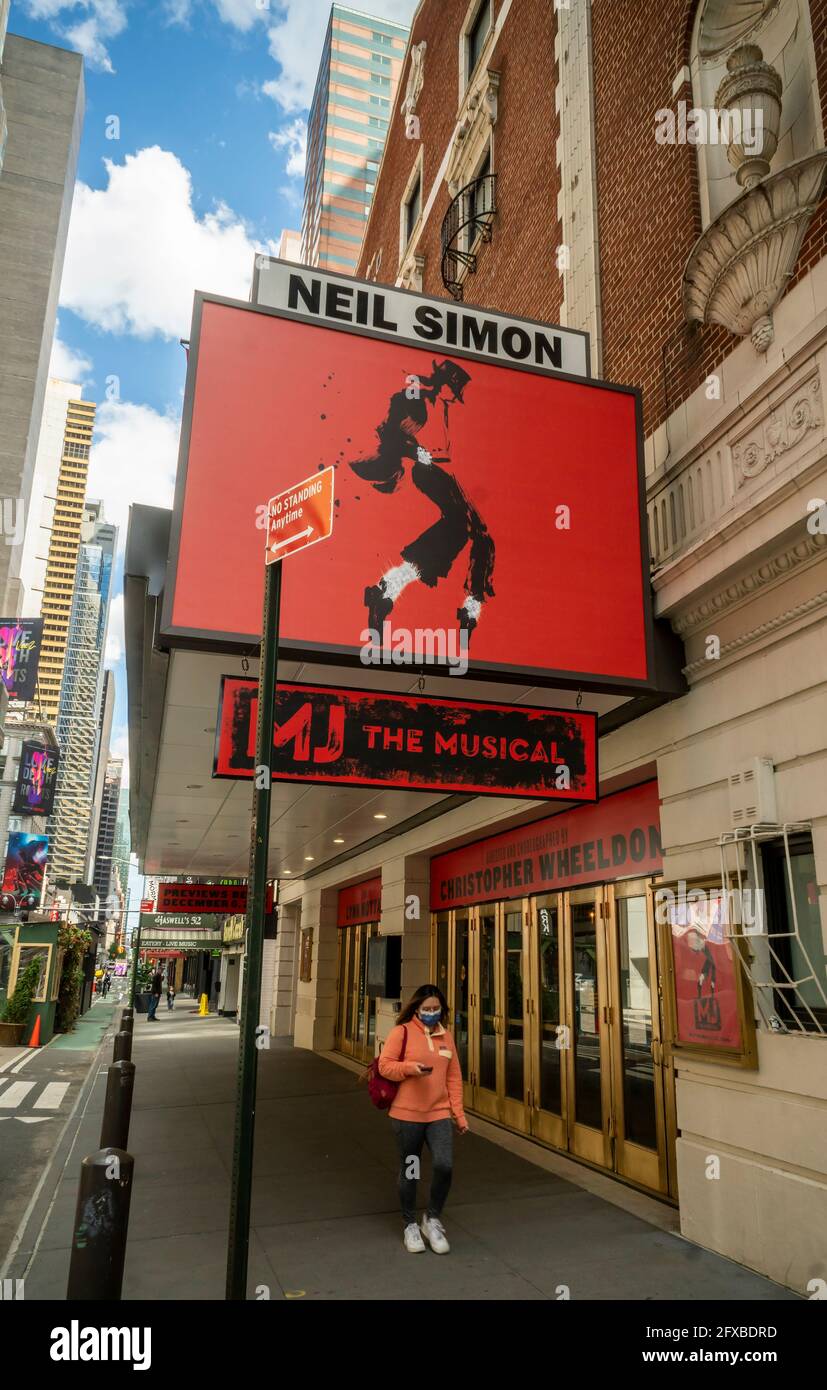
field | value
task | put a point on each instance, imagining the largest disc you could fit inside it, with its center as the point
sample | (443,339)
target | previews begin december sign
(474,496)
(360,738)
(614,839)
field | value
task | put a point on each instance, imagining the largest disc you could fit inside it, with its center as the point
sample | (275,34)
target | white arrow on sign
(308,531)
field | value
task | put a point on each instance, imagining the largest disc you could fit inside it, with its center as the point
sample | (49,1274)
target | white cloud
(67,364)
(293,138)
(137,250)
(115,640)
(134,459)
(93,23)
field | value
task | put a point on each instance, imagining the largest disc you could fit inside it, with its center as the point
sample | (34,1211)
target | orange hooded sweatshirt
(422,1099)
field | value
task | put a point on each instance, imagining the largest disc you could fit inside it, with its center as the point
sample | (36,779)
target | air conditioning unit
(752,794)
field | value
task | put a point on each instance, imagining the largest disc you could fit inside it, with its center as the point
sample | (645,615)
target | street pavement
(325,1219)
(39,1088)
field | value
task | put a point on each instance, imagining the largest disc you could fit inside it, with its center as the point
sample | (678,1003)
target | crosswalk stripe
(10,1099)
(51,1095)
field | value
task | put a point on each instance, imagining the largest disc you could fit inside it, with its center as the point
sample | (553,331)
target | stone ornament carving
(416,78)
(477,118)
(804,552)
(740,266)
(798,416)
(728,22)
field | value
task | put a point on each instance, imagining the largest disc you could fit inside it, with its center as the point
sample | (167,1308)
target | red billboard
(486,498)
(617,837)
(360,738)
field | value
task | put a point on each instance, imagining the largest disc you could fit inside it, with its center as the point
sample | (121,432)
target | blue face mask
(429,1019)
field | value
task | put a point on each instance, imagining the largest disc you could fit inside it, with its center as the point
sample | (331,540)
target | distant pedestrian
(421,1055)
(155,991)
(107,983)
(170,995)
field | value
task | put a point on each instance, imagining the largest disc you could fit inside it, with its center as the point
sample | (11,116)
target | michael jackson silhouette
(431,556)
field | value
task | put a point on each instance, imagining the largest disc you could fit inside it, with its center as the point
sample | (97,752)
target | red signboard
(362,902)
(356,737)
(616,838)
(147,904)
(206,897)
(706,988)
(300,516)
(491,500)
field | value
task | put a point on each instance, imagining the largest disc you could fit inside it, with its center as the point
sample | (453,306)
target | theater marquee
(486,487)
(360,738)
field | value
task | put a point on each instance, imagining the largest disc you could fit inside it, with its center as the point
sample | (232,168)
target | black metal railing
(469,216)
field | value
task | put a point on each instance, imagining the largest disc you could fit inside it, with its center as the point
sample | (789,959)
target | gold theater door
(355,1012)
(556,1012)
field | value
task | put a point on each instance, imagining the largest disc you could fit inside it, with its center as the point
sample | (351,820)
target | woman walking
(421,1055)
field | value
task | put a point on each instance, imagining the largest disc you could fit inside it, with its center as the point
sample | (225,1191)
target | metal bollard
(123,1046)
(101,1226)
(127,1020)
(117,1107)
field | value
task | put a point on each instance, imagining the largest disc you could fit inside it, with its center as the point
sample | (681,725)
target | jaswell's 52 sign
(359,738)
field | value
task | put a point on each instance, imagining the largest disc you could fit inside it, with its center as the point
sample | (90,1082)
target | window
(480,198)
(800,955)
(476,36)
(413,208)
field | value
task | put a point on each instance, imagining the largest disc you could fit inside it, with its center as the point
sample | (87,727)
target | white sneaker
(434,1232)
(413,1240)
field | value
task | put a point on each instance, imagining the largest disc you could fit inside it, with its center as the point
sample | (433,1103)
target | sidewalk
(325,1218)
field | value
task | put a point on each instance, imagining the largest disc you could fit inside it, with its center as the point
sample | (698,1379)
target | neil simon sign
(360,738)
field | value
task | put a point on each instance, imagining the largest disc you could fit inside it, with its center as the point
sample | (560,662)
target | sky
(192,159)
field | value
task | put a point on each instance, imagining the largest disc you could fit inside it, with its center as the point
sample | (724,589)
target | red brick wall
(648,201)
(516,271)
(648,204)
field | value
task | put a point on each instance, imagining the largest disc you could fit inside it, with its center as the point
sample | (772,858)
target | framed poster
(306,957)
(708,1003)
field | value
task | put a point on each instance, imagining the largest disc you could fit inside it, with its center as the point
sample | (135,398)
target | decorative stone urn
(751,95)
(742,263)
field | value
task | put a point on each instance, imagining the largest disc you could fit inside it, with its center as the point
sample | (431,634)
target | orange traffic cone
(34,1040)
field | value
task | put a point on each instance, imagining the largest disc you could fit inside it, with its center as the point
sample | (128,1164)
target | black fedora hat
(450,374)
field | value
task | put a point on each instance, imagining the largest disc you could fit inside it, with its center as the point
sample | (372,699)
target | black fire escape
(469,216)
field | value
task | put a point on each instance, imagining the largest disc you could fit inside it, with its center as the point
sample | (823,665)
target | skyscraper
(352,101)
(79,722)
(64,543)
(105,839)
(121,849)
(41,111)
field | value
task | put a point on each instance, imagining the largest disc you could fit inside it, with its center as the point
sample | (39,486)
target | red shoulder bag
(382,1092)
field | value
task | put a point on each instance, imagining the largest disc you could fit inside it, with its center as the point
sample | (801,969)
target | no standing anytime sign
(300,516)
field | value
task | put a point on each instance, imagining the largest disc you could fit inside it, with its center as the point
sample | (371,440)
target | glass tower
(352,104)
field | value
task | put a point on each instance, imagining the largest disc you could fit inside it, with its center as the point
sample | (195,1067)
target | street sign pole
(245,1112)
(136,947)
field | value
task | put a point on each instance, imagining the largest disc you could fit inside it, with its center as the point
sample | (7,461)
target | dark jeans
(154,1000)
(410,1139)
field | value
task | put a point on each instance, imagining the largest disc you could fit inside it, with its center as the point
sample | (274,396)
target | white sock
(472,606)
(398,578)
